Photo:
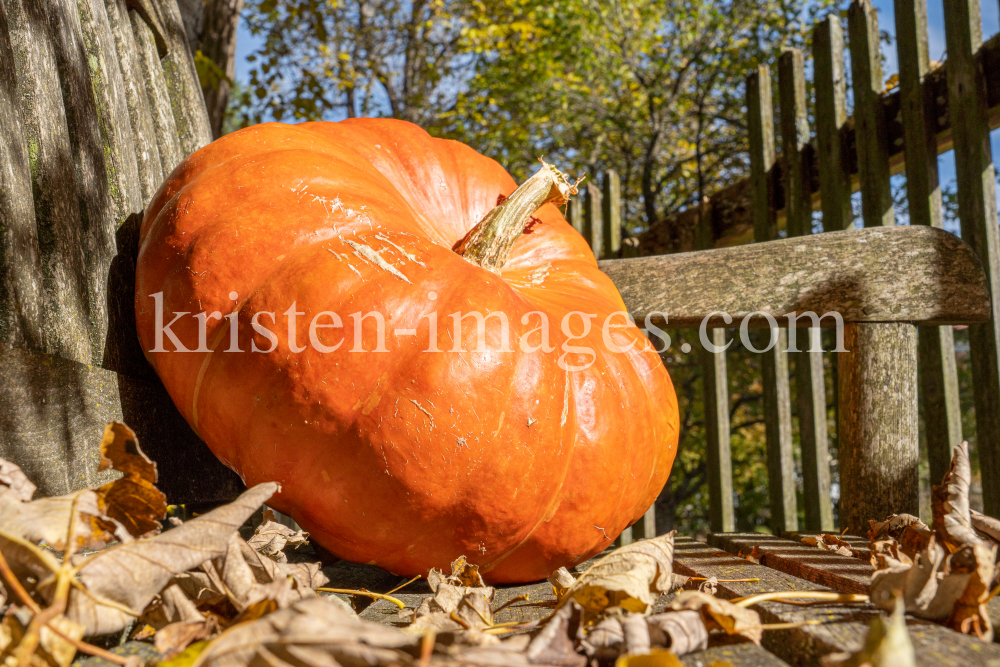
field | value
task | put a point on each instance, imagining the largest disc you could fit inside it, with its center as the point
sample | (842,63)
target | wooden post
(878,423)
(715,393)
(810,383)
(870,127)
(575,214)
(977,210)
(593,225)
(936,347)
(612,213)
(877,419)
(774,362)
(831,115)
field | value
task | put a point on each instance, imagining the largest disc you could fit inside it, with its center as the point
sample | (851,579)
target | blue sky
(247,43)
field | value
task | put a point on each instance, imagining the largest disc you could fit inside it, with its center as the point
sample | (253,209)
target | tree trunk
(211,29)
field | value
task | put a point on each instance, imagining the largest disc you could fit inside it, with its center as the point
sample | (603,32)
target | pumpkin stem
(490,242)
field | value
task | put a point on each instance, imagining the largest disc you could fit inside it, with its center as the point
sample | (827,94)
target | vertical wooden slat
(878,423)
(167,141)
(66,311)
(715,394)
(870,126)
(111,110)
(977,210)
(810,384)
(831,115)
(97,220)
(612,213)
(21,296)
(936,348)
(774,362)
(191,116)
(593,225)
(575,214)
(147,154)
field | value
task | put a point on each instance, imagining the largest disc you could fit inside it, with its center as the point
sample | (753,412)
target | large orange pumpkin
(403,458)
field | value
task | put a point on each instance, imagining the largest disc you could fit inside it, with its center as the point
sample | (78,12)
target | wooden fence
(954,107)
(99,101)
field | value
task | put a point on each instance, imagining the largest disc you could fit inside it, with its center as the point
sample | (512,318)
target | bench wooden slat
(840,573)
(894,274)
(843,627)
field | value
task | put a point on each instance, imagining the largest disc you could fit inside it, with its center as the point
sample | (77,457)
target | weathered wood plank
(978,213)
(21,295)
(164,126)
(870,127)
(893,274)
(937,370)
(810,385)
(188,103)
(842,627)
(593,226)
(715,394)
(878,423)
(830,82)
(97,221)
(65,313)
(612,213)
(774,361)
(53,411)
(147,153)
(574,214)
(840,573)
(737,655)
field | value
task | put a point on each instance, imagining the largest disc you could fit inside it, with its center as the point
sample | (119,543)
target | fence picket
(870,127)
(831,116)
(715,394)
(774,362)
(593,226)
(936,369)
(810,385)
(977,209)
(612,213)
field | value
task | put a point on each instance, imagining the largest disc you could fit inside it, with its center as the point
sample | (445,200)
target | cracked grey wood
(21,294)
(65,310)
(774,360)
(151,72)
(974,171)
(810,383)
(878,426)
(841,628)
(936,367)
(884,274)
(147,154)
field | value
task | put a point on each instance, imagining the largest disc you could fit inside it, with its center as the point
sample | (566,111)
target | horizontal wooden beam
(914,274)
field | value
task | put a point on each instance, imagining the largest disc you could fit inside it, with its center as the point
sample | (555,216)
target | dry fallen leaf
(631,577)
(562,580)
(270,538)
(133,500)
(555,644)
(116,584)
(986,525)
(950,501)
(830,543)
(893,527)
(321,631)
(888,645)
(927,591)
(721,614)
(682,632)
